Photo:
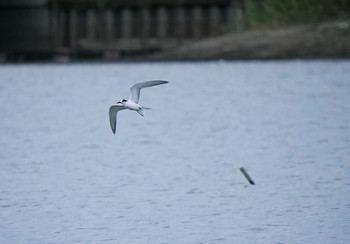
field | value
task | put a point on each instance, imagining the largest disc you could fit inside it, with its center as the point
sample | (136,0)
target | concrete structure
(110,28)
(24,28)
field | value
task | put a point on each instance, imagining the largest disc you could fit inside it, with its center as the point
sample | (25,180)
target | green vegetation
(276,13)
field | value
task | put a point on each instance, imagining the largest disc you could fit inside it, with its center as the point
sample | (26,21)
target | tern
(133,102)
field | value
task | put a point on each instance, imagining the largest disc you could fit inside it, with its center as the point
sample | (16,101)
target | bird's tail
(141,110)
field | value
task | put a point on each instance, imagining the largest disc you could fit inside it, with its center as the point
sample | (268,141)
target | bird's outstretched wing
(113,110)
(135,89)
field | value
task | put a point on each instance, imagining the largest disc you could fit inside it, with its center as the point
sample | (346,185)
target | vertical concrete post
(126,23)
(214,20)
(73,30)
(101,20)
(109,34)
(197,22)
(180,22)
(146,23)
(61,28)
(162,22)
(54,25)
(91,24)
(235,15)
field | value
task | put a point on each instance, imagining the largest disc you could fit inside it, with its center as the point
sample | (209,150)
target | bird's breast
(132,106)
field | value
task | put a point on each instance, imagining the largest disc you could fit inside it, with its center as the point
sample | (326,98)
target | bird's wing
(135,89)
(113,115)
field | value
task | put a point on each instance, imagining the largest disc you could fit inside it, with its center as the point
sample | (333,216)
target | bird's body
(132,105)
(132,102)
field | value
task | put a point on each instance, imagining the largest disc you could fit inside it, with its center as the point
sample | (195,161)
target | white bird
(133,102)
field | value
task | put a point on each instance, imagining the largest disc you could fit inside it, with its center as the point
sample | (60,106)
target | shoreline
(322,41)
(328,40)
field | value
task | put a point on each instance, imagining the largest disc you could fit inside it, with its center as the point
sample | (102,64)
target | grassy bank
(277,13)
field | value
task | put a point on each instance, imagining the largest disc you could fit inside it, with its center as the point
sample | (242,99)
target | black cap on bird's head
(122,101)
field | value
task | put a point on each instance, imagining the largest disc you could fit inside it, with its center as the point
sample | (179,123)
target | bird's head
(122,101)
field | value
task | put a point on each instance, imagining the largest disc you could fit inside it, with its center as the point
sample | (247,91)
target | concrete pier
(91,24)
(162,22)
(145,23)
(214,21)
(197,22)
(132,26)
(109,23)
(126,23)
(180,22)
(99,26)
(73,30)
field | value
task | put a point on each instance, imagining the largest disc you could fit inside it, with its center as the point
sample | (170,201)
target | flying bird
(133,102)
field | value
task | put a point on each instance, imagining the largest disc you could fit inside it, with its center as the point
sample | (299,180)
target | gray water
(173,176)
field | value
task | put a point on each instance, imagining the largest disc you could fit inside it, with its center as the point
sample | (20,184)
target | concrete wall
(110,27)
(138,26)
(24,26)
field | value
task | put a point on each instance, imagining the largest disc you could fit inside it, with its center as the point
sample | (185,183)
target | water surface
(173,176)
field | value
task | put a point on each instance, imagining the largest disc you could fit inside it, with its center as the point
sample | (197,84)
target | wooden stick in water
(247,176)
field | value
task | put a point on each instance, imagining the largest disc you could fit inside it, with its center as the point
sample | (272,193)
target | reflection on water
(173,176)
